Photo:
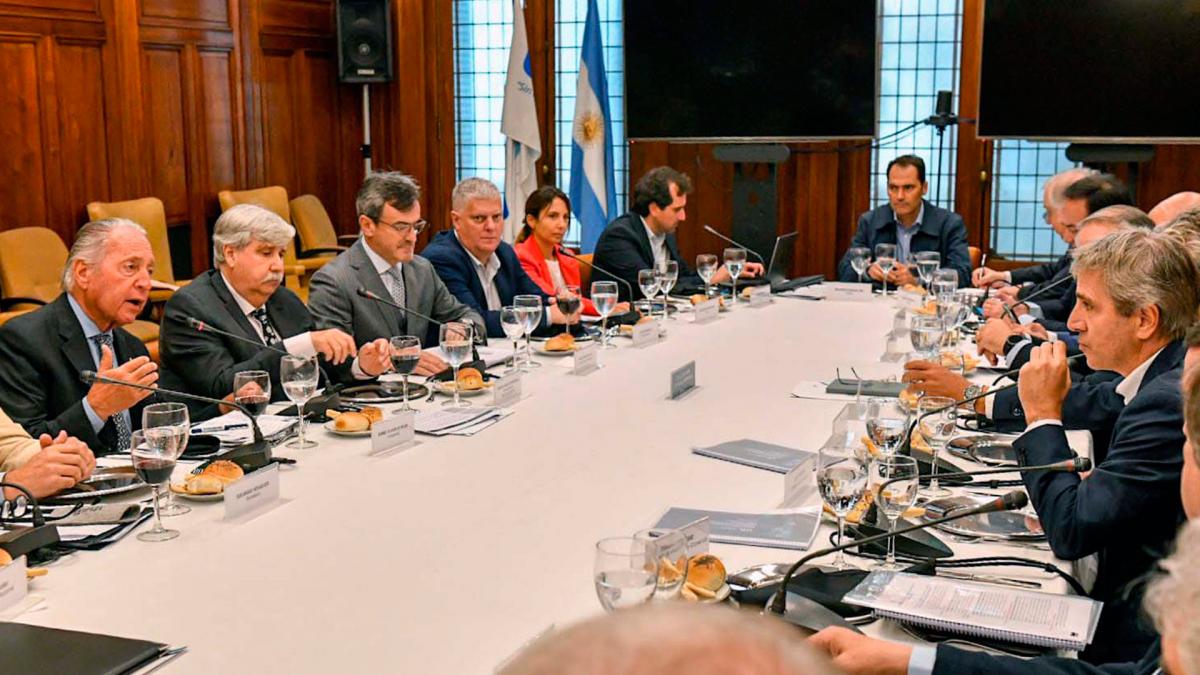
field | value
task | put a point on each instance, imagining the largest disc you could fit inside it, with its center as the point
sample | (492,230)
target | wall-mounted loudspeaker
(364,33)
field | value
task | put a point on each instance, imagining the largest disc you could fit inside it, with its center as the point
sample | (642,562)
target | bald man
(1170,208)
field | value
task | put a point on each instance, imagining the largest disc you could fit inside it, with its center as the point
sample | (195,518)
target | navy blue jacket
(1127,510)
(1041,274)
(624,249)
(955,661)
(940,231)
(456,269)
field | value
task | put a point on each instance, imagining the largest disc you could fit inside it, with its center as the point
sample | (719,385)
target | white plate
(447,388)
(722,595)
(177,490)
(329,426)
(541,349)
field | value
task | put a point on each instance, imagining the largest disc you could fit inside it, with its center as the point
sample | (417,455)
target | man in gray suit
(383,261)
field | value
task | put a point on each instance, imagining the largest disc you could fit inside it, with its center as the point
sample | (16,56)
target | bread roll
(563,342)
(470,379)
(352,421)
(706,572)
(909,398)
(224,470)
(202,484)
(5,558)
(372,414)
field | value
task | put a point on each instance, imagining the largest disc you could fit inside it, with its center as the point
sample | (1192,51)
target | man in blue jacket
(913,225)
(480,269)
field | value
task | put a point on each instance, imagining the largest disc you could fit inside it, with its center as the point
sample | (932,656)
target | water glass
(939,422)
(668,274)
(926,335)
(927,262)
(735,262)
(706,267)
(174,419)
(887,424)
(841,480)
(405,355)
(945,283)
(885,257)
(456,338)
(895,498)
(531,307)
(860,259)
(299,377)
(648,281)
(512,321)
(604,297)
(625,572)
(672,561)
(154,452)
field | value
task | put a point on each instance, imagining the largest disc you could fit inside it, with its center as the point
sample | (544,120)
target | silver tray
(1010,525)
(104,482)
(985,449)
(385,392)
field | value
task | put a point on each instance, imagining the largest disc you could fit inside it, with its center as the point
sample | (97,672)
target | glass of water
(625,572)
(926,335)
(735,262)
(706,267)
(456,338)
(531,309)
(604,297)
(512,320)
(648,281)
(895,498)
(885,257)
(299,377)
(939,420)
(887,424)
(842,480)
(672,561)
(668,274)
(927,262)
(945,284)
(860,259)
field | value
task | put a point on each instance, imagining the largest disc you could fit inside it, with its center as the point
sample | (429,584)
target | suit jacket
(457,270)
(535,265)
(624,249)
(1092,403)
(334,302)
(955,661)
(1040,274)
(1128,509)
(205,363)
(43,353)
(16,445)
(941,230)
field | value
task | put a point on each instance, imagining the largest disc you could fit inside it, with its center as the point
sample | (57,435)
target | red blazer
(535,266)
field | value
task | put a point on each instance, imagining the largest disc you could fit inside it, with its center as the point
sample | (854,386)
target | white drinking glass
(174,418)
(896,498)
(860,259)
(625,572)
(604,297)
(299,374)
(456,339)
(706,267)
(926,262)
(939,423)
(885,257)
(841,480)
(668,274)
(531,307)
(512,321)
(735,262)
(648,281)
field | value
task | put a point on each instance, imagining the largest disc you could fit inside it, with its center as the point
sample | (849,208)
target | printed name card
(506,392)
(645,333)
(760,296)
(800,486)
(13,585)
(697,535)
(707,311)
(683,380)
(839,290)
(587,358)
(252,492)
(394,431)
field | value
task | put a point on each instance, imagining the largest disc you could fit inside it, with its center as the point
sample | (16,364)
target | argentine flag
(519,124)
(593,188)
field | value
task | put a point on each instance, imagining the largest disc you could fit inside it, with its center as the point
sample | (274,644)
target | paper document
(760,455)
(792,530)
(274,427)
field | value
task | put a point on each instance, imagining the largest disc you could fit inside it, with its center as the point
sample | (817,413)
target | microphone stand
(712,231)
(25,540)
(598,269)
(364,293)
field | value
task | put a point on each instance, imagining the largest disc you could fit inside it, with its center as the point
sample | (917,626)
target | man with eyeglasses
(383,261)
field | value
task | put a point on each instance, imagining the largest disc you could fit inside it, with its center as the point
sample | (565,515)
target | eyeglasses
(403,227)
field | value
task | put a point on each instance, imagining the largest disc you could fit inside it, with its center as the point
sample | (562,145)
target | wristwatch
(972,391)
(1013,341)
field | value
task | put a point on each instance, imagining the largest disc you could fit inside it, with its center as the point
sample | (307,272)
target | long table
(448,556)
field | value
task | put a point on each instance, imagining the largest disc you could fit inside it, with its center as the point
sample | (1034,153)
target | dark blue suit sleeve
(1092,403)
(954,661)
(617,252)
(454,275)
(955,254)
(862,237)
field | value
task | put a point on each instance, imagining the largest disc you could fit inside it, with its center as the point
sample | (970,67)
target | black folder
(35,649)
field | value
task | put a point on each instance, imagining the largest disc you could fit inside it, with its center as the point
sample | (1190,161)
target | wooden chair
(316,231)
(976,256)
(585,273)
(150,214)
(274,198)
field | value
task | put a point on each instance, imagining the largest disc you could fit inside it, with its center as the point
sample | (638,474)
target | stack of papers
(785,529)
(760,455)
(458,421)
(234,428)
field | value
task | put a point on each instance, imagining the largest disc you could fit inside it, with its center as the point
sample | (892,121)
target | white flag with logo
(519,124)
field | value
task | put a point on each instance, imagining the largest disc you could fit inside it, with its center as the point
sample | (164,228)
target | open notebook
(965,608)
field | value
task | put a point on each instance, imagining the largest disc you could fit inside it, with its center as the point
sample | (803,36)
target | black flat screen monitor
(1090,69)
(719,70)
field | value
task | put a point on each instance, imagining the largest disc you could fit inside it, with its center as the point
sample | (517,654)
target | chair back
(273,198)
(976,256)
(152,216)
(32,260)
(312,223)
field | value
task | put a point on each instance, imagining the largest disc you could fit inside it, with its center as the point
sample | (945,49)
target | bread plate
(541,349)
(177,489)
(331,427)
(447,388)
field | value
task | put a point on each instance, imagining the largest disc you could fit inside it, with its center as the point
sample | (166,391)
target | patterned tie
(395,286)
(270,337)
(120,420)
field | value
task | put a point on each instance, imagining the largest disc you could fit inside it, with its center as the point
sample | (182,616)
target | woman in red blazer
(547,218)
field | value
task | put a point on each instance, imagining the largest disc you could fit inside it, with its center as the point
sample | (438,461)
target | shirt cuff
(1042,423)
(1008,277)
(1035,310)
(1012,353)
(97,422)
(989,404)
(300,345)
(922,660)
(1026,319)
(358,373)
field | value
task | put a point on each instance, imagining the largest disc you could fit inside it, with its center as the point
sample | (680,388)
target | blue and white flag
(519,124)
(593,189)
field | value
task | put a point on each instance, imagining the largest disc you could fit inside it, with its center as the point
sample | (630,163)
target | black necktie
(120,420)
(270,337)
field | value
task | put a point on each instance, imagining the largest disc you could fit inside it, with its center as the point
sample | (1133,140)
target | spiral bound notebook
(965,608)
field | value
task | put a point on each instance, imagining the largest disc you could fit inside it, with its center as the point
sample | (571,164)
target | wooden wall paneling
(165,74)
(23,125)
(539,26)
(187,13)
(278,127)
(82,129)
(1175,168)
(436,18)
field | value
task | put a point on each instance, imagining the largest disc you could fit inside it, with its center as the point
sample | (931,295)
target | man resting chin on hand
(43,466)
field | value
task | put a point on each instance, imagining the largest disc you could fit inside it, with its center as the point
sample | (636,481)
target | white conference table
(448,556)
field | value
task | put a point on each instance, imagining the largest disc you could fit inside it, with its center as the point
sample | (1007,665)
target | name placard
(13,585)
(393,431)
(760,296)
(840,290)
(645,333)
(697,535)
(252,492)
(683,379)
(587,358)
(800,486)
(506,392)
(707,311)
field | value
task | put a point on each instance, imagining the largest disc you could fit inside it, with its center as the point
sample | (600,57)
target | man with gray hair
(106,285)
(244,295)
(383,261)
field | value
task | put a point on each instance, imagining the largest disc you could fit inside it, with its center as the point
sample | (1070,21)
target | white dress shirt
(300,345)
(487,271)
(658,245)
(381,266)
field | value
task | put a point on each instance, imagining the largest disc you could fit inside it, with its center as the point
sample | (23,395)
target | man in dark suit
(382,261)
(244,296)
(480,269)
(913,225)
(107,284)
(644,238)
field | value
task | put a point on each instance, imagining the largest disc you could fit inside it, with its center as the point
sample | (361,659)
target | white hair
(1174,599)
(1057,184)
(91,245)
(672,638)
(472,188)
(245,223)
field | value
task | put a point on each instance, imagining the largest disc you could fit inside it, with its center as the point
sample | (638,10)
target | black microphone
(20,541)
(1073,465)
(1009,502)
(256,454)
(476,338)
(202,327)
(1043,289)
(721,236)
(598,269)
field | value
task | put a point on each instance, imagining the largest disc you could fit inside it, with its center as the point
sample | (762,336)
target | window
(570,16)
(482,37)
(1019,230)
(919,56)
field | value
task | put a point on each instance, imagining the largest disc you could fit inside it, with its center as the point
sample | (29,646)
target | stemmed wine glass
(927,262)
(512,320)
(842,480)
(531,309)
(885,257)
(887,424)
(299,377)
(668,274)
(456,338)
(735,262)
(939,420)
(568,300)
(154,452)
(252,390)
(405,355)
(672,561)
(860,259)
(706,267)
(604,297)
(648,281)
(894,499)
(174,418)
(625,572)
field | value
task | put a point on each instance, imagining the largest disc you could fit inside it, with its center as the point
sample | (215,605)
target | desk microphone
(598,269)
(21,541)
(1043,289)
(364,293)
(1009,502)
(202,327)
(721,236)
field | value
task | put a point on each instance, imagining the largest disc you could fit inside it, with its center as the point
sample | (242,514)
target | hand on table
(109,399)
(61,463)
(858,654)
(430,364)
(901,275)
(1009,294)
(375,357)
(750,271)
(1044,382)
(334,345)
(934,379)
(875,272)
(990,338)
(985,276)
